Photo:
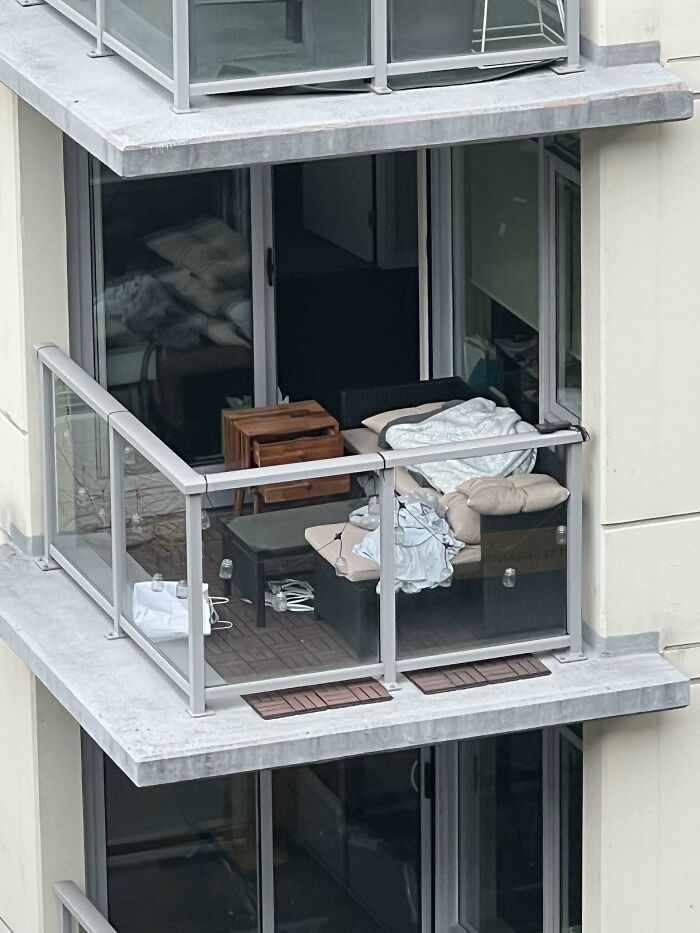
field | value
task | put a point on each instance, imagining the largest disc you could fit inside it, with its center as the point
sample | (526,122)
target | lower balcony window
(393,843)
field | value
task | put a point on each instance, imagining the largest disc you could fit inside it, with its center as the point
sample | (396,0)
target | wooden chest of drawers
(279,434)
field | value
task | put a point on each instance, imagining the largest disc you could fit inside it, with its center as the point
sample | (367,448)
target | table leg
(261,619)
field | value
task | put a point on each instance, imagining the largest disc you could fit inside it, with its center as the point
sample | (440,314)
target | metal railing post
(66,920)
(379,30)
(181,56)
(100,50)
(48,458)
(118,526)
(574,550)
(573,34)
(193,519)
(387,577)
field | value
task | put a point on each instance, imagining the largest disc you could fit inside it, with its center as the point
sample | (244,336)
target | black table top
(281,532)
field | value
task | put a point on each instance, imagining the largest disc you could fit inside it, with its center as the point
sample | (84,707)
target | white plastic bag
(160,615)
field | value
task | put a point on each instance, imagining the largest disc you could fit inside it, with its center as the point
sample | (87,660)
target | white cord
(297,595)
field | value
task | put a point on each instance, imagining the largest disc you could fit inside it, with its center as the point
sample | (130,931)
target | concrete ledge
(138,717)
(126,120)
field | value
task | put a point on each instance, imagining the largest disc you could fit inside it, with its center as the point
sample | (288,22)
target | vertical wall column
(34,303)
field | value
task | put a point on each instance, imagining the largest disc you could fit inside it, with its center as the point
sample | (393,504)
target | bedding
(471,420)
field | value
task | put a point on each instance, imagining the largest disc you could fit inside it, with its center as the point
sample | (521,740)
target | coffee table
(250,540)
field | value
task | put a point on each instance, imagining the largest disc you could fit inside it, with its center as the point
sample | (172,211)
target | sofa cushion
(378,422)
(464,521)
(322,540)
(532,492)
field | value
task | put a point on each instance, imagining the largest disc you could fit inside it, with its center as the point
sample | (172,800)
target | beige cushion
(464,521)
(532,492)
(360,441)
(322,540)
(377,423)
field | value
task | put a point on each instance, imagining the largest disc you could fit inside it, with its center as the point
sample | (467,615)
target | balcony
(201,47)
(378,576)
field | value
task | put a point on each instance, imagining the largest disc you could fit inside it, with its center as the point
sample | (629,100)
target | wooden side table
(277,434)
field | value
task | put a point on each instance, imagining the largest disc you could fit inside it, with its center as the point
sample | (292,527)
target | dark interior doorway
(346,251)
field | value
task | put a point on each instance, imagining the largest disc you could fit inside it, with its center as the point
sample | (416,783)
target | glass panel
(347,845)
(571,791)
(242,38)
(500,834)
(289,612)
(496,272)
(145,27)
(86,8)
(568,293)
(181,858)
(468,578)
(83,504)
(173,301)
(445,28)
(156,544)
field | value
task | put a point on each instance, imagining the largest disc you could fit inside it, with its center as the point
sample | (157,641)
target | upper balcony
(301,65)
(203,47)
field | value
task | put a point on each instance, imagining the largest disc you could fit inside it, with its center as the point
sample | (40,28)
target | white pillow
(377,423)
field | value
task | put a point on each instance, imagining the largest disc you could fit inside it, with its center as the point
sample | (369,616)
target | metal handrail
(75,906)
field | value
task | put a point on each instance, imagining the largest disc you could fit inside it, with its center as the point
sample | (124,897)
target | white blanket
(424,552)
(471,420)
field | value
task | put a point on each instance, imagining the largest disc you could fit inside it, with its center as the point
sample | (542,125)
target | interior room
(338,292)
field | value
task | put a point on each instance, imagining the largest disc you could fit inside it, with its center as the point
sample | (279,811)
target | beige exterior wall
(641,333)
(41,833)
(675,24)
(642,823)
(34,299)
(41,827)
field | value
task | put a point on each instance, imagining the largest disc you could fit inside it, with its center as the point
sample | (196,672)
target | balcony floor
(125,119)
(139,718)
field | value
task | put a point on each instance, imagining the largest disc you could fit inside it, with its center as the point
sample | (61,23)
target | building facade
(219,214)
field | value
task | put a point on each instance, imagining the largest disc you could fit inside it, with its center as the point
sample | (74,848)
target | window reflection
(173,301)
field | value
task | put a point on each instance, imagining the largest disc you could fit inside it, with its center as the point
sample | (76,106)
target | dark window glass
(173,309)
(181,858)
(571,796)
(500,834)
(347,846)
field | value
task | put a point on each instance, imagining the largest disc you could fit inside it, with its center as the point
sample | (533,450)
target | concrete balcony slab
(126,120)
(138,717)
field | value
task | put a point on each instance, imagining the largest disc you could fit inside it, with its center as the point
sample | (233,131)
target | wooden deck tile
(478,674)
(281,703)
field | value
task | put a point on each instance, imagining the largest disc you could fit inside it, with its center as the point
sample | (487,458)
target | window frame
(551,166)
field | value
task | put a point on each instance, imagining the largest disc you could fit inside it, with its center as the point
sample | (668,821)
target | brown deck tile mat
(281,703)
(478,674)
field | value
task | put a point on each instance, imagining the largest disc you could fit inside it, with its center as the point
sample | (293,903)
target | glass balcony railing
(77,913)
(356,567)
(200,47)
